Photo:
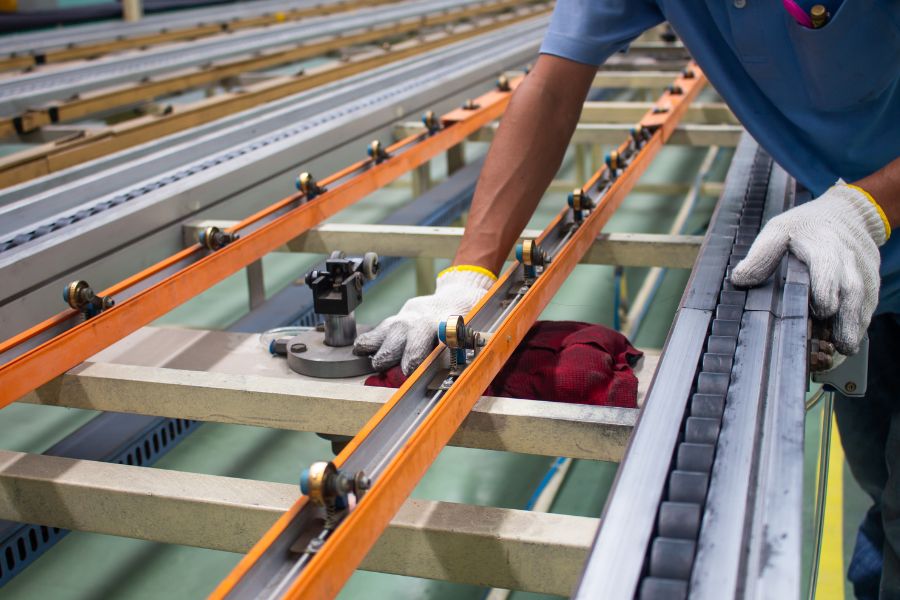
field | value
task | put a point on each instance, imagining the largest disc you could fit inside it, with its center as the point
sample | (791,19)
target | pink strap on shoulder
(798,13)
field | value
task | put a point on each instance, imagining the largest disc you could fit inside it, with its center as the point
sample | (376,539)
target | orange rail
(71,347)
(333,564)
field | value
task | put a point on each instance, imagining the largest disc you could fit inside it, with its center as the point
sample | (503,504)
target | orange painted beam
(71,347)
(333,564)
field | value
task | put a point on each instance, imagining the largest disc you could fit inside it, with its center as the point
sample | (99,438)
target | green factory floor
(85,565)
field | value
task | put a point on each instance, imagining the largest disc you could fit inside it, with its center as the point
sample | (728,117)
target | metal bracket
(850,377)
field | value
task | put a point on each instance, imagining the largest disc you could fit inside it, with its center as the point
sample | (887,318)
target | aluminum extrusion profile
(718,445)
(395,448)
(20,93)
(201,173)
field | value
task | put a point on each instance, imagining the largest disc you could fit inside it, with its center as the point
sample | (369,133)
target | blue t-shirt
(825,103)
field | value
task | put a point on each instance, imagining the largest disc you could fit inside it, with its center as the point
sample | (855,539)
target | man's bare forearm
(527,151)
(884,186)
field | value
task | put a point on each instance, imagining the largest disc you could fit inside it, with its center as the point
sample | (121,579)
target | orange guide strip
(327,572)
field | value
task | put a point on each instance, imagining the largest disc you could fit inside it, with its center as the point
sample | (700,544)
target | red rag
(561,361)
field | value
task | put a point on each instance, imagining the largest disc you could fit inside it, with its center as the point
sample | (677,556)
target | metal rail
(58,344)
(84,41)
(77,145)
(78,225)
(299,557)
(23,92)
(707,502)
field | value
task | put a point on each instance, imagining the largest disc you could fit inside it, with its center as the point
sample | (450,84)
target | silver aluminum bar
(234,163)
(39,42)
(441,540)
(777,526)
(616,563)
(277,567)
(735,484)
(726,550)
(25,91)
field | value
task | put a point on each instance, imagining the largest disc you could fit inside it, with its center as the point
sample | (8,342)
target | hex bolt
(298,348)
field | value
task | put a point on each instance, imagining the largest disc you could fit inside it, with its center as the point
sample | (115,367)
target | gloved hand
(837,236)
(410,335)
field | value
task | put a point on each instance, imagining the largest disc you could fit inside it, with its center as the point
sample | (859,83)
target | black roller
(708,405)
(713,383)
(724,328)
(672,558)
(688,486)
(700,430)
(656,588)
(680,520)
(721,345)
(695,457)
(717,363)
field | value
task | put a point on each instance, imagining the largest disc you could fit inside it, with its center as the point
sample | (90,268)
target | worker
(823,99)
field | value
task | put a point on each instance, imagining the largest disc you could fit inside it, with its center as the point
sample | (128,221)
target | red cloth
(561,361)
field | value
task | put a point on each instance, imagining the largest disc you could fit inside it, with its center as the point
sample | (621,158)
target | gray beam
(410,241)
(724,135)
(634,79)
(229,378)
(514,425)
(480,545)
(704,113)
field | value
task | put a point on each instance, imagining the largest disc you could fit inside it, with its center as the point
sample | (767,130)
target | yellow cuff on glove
(472,268)
(884,219)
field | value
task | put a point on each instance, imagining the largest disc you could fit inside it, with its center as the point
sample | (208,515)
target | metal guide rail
(246,85)
(80,41)
(23,92)
(49,349)
(69,231)
(708,500)
(233,71)
(312,550)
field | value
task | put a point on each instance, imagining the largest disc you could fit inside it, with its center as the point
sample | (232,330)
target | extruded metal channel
(25,91)
(140,440)
(56,345)
(38,43)
(299,556)
(210,170)
(687,514)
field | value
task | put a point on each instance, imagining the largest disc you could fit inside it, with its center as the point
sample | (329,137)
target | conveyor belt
(223,163)
(709,463)
(24,91)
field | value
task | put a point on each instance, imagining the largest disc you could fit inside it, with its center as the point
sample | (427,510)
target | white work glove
(837,236)
(410,335)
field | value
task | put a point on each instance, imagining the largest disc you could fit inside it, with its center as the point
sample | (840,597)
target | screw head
(850,386)
(298,347)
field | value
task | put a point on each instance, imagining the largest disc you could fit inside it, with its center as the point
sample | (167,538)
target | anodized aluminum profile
(400,441)
(39,42)
(225,165)
(20,93)
(748,538)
